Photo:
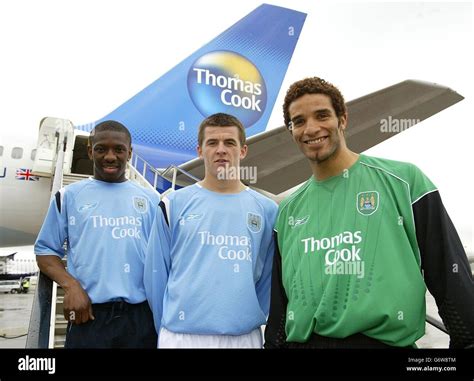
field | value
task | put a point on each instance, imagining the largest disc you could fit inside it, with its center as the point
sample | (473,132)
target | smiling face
(315,127)
(110,152)
(221,148)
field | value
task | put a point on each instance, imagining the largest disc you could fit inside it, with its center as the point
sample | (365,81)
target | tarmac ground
(15,310)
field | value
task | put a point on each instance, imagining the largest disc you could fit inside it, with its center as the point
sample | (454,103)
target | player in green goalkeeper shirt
(358,242)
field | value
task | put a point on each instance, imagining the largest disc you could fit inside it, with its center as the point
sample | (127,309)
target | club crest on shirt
(88,206)
(140,204)
(254,222)
(367,202)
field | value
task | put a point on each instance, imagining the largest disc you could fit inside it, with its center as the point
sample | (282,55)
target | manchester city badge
(254,222)
(140,204)
(367,202)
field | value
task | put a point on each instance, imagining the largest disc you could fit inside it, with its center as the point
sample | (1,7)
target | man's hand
(77,305)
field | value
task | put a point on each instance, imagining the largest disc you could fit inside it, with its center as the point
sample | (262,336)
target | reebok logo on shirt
(294,222)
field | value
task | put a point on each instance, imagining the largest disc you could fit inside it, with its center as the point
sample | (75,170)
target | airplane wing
(280,165)
(7,255)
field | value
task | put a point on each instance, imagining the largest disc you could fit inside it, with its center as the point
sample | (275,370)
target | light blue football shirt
(209,261)
(106,227)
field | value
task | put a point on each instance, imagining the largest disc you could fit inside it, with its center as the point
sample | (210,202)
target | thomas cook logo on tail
(367,202)
(224,81)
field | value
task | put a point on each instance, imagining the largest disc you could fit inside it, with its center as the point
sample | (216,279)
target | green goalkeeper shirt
(349,252)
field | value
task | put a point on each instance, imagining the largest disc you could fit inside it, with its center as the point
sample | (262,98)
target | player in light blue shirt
(105,221)
(209,257)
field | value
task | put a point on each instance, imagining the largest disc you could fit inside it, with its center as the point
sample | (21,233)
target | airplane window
(33,154)
(1,150)
(17,153)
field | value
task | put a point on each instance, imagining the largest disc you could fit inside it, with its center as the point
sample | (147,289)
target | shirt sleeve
(268,246)
(54,232)
(275,334)
(157,264)
(447,272)
(263,284)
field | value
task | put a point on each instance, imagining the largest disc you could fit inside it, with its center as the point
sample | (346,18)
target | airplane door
(50,130)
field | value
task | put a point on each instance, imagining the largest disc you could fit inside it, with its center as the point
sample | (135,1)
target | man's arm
(446,269)
(263,285)
(158,264)
(275,335)
(77,305)
(49,251)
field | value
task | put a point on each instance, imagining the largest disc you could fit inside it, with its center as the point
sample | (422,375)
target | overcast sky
(80,60)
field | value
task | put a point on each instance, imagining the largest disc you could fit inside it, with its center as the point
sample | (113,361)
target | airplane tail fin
(239,72)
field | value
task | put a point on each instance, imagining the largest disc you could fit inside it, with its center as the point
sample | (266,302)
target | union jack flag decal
(25,174)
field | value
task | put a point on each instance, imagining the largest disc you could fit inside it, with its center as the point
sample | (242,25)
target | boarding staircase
(58,334)
(72,178)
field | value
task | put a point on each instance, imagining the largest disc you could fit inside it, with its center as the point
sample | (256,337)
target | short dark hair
(110,125)
(313,85)
(221,120)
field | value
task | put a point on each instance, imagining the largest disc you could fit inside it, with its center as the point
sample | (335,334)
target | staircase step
(59,341)
(72,178)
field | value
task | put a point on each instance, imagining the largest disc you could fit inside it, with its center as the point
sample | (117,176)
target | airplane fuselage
(24,198)
(17,263)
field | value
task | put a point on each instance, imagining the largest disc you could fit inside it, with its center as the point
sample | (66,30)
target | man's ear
(243,151)
(343,121)
(89,151)
(199,151)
